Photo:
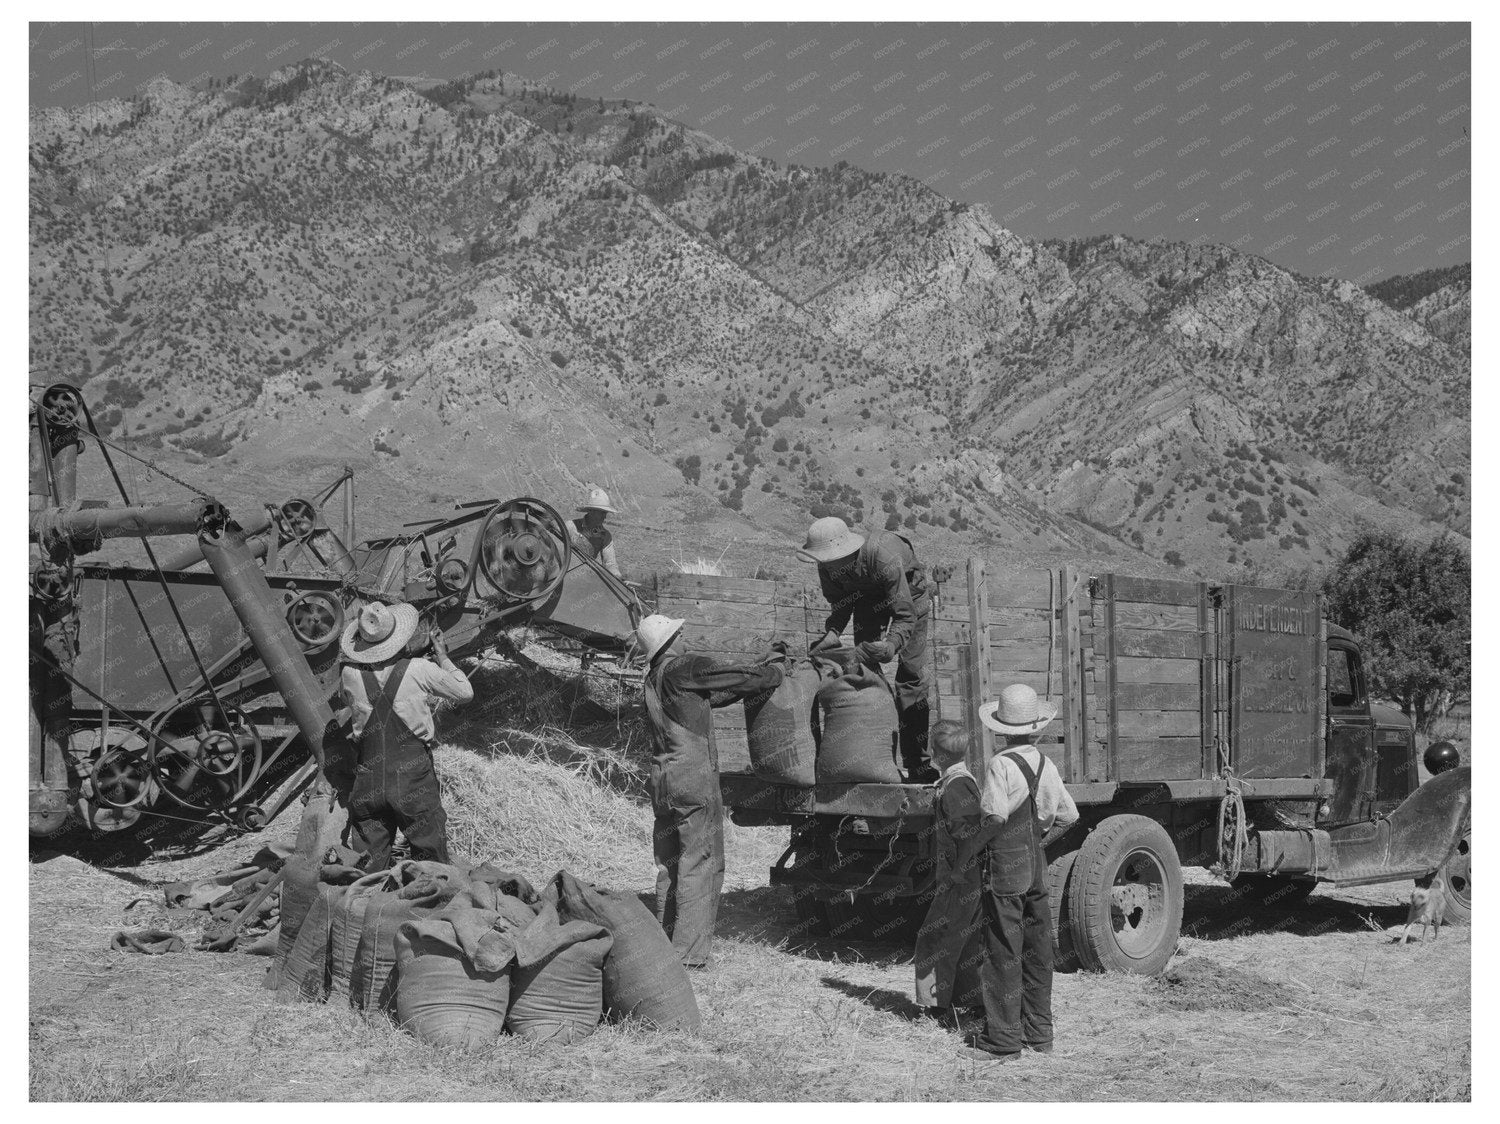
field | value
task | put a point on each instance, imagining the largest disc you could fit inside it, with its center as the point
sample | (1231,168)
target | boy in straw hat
(688,841)
(1023,798)
(395,785)
(589,533)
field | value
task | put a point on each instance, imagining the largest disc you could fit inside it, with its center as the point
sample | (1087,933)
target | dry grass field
(1315,1004)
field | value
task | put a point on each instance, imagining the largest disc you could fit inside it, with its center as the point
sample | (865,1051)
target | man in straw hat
(589,533)
(879,582)
(395,785)
(1024,797)
(688,841)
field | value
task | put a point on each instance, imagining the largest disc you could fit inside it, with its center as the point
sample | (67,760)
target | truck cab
(1371,749)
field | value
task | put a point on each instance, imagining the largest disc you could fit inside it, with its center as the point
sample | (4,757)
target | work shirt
(424,679)
(958,809)
(1005,789)
(598,543)
(876,582)
(684,759)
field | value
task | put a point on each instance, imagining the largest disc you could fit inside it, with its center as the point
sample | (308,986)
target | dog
(1429,901)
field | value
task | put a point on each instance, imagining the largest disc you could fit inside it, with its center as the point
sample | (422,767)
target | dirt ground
(1311,1004)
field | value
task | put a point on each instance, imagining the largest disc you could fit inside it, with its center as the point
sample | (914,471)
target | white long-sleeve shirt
(413,698)
(1005,789)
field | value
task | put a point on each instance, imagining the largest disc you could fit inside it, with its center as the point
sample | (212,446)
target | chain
(99,437)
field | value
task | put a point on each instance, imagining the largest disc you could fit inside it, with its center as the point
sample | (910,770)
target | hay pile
(532,815)
(1206,985)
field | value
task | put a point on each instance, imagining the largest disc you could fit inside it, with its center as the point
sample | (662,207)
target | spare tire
(1125,897)
(1457,881)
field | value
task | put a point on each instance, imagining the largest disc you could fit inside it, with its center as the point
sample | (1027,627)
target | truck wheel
(1059,872)
(1125,897)
(1455,876)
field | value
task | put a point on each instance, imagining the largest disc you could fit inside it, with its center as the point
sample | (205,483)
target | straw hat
(655,632)
(379,632)
(828,540)
(598,501)
(1017,711)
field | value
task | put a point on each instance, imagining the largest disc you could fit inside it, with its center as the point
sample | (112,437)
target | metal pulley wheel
(299,518)
(52,584)
(62,406)
(316,618)
(517,541)
(208,756)
(452,575)
(121,778)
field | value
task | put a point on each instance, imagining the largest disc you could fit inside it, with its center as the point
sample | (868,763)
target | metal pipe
(264,619)
(89,525)
(349,540)
(254,530)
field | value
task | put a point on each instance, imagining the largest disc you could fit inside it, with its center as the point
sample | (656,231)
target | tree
(1409,603)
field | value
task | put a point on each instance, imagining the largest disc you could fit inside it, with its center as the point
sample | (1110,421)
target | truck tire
(1125,897)
(1456,880)
(1059,871)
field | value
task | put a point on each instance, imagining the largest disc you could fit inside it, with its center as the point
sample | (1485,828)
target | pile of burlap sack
(461,954)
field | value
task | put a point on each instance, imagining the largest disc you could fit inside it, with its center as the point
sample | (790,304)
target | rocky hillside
(484,288)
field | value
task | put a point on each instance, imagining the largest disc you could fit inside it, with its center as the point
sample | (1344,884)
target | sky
(1333,149)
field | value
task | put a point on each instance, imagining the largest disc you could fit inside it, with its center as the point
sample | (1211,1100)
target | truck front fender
(1412,841)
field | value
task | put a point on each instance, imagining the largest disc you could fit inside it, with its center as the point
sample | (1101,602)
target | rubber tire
(1059,872)
(1090,897)
(1459,911)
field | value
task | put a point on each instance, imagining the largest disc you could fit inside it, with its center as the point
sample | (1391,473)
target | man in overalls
(879,582)
(688,842)
(1023,798)
(395,785)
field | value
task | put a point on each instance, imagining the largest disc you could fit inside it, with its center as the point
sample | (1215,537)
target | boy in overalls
(1023,798)
(950,945)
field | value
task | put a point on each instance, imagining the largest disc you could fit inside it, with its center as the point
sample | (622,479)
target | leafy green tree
(1409,603)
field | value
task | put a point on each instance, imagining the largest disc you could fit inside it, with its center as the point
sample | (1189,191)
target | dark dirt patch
(1205,985)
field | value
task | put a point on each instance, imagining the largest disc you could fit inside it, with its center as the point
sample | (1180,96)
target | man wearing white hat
(879,582)
(395,785)
(688,841)
(589,533)
(1024,797)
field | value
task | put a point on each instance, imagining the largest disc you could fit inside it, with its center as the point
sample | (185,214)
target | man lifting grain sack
(688,840)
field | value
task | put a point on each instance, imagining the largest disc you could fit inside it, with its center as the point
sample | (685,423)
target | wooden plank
(1111,635)
(728,614)
(1007,588)
(1158,759)
(983,741)
(704,587)
(1162,591)
(1206,764)
(1161,696)
(1183,618)
(1131,670)
(1157,723)
(1161,644)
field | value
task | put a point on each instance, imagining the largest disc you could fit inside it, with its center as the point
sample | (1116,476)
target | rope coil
(1233,836)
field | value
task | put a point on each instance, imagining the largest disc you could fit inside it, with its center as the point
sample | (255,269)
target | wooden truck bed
(1159,682)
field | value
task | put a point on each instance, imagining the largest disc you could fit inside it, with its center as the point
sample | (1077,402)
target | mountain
(490,288)
(1438,299)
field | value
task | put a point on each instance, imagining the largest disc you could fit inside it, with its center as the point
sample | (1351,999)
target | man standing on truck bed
(688,840)
(1024,797)
(879,582)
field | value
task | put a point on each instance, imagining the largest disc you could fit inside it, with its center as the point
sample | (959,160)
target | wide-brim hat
(655,632)
(598,501)
(828,540)
(1018,711)
(378,633)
